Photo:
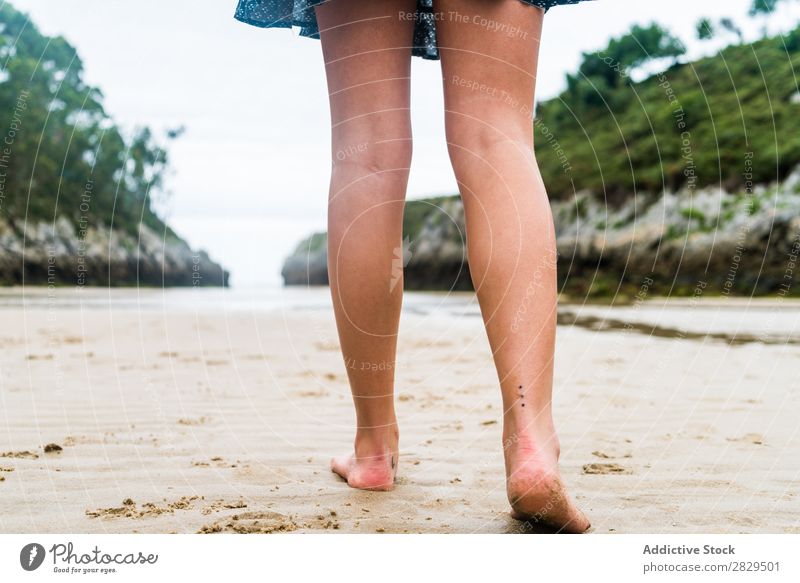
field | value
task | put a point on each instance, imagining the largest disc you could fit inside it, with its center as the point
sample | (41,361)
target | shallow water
(734,320)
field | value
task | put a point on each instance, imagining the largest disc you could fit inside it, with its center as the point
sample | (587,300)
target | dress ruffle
(300,14)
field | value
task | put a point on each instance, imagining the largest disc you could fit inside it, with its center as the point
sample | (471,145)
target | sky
(249,177)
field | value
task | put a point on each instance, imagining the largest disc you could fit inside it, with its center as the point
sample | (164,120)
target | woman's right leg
(367,51)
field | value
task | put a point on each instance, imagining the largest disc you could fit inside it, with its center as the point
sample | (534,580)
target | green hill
(730,120)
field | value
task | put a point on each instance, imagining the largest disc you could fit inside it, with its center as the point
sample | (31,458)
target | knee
(369,175)
(366,148)
(474,142)
(373,156)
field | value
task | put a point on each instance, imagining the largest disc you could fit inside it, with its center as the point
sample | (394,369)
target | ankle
(532,435)
(377,440)
(528,421)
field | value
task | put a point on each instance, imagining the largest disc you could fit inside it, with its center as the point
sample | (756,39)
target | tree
(704,28)
(765,8)
(612,66)
(65,156)
(762,7)
(730,26)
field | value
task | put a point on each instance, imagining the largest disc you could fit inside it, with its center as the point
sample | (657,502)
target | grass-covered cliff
(730,120)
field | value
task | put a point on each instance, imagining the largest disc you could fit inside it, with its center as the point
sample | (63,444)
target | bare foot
(534,486)
(373,465)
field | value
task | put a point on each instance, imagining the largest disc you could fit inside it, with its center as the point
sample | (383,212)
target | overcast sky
(250,174)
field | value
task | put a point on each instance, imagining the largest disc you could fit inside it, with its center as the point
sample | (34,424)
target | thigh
(489,52)
(366,45)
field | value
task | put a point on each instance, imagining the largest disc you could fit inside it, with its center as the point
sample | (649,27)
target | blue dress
(300,13)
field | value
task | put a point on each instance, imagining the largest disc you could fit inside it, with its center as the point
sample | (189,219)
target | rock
(54,253)
(685,243)
(308,264)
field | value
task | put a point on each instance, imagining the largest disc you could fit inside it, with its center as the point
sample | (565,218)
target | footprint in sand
(312,393)
(219,462)
(754,438)
(127,510)
(609,468)
(20,454)
(197,421)
(130,509)
(216,362)
(72,440)
(326,346)
(53,448)
(609,456)
(326,522)
(251,523)
(456,426)
(218,505)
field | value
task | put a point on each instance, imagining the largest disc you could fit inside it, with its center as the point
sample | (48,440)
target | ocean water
(234,299)
(735,320)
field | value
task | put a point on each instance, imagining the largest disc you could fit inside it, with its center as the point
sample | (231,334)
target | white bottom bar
(387,558)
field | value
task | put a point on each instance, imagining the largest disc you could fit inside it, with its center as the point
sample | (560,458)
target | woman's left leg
(489,51)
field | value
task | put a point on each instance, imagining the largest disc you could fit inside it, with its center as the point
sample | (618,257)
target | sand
(166,421)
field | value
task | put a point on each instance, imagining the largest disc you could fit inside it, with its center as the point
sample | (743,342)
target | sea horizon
(768,319)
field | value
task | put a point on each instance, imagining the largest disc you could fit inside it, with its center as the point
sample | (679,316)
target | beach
(139,411)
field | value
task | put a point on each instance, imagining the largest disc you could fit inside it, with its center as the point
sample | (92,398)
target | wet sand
(224,421)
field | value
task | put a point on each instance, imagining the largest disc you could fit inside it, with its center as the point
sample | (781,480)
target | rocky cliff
(77,190)
(678,243)
(56,253)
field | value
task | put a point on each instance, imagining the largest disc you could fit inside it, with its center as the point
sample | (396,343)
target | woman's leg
(489,51)
(366,46)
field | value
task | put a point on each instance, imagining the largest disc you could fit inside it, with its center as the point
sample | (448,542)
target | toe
(340,465)
(582,523)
